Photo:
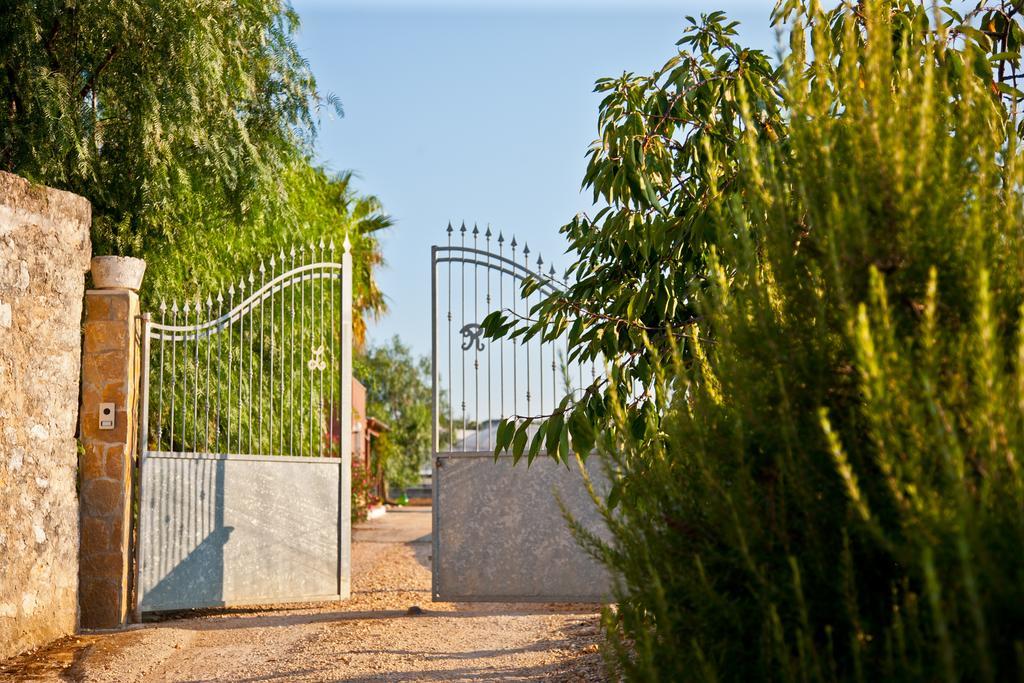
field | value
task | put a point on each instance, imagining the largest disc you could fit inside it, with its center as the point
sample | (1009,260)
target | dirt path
(369,637)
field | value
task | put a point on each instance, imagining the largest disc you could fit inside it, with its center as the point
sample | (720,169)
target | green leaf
(519,442)
(554,432)
(582,431)
(537,442)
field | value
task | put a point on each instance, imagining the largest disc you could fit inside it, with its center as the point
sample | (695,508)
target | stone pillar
(110,375)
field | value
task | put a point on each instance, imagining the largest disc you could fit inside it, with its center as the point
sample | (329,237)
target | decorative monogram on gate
(471,333)
(317,362)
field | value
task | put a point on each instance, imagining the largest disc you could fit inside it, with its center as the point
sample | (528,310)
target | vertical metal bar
(323,344)
(210,331)
(526,260)
(241,359)
(230,373)
(302,358)
(476,345)
(174,372)
(451,397)
(310,402)
(501,341)
(220,366)
(160,395)
(540,337)
(579,358)
(554,350)
(280,397)
(184,375)
(487,271)
(515,352)
(291,363)
(462,356)
(270,441)
(262,334)
(195,384)
(142,446)
(333,375)
(252,353)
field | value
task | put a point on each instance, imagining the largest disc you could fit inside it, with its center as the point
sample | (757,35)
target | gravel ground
(371,637)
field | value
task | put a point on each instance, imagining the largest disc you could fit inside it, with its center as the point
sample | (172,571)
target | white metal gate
(499,530)
(245,439)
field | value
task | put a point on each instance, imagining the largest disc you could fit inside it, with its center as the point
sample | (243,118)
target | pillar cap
(117,272)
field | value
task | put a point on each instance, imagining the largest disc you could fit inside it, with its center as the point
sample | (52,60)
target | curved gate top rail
(254,369)
(483,382)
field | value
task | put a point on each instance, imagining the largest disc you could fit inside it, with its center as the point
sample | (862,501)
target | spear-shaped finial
(322,244)
(514,245)
(450,230)
(476,230)
(281,256)
(163,306)
(501,238)
(273,262)
(263,266)
(526,249)
(241,285)
(540,263)
(347,244)
(551,274)
(220,298)
(331,245)
(231,290)
(488,233)
(209,301)
(292,253)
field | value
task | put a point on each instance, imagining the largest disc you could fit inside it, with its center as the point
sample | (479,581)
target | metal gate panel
(500,534)
(232,530)
(245,440)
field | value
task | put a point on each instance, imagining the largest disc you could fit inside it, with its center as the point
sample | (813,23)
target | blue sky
(479,111)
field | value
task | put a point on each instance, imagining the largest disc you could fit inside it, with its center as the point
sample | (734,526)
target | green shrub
(835,488)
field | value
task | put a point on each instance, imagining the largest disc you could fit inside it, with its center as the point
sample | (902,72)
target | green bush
(834,491)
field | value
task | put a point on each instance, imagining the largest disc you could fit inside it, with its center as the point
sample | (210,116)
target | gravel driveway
(370,637)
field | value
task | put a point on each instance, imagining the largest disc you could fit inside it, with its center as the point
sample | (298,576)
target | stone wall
(44,255)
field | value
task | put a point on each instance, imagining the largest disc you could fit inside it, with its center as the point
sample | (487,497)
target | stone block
(104,564)
(115,466)
(92,462)
(102,498)
(107,305)
(96,534)
(100,602)
(105,335)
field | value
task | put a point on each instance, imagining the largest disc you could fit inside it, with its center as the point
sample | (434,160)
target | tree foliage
(642,260)
(160,113)
(832,489)
(398,391)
